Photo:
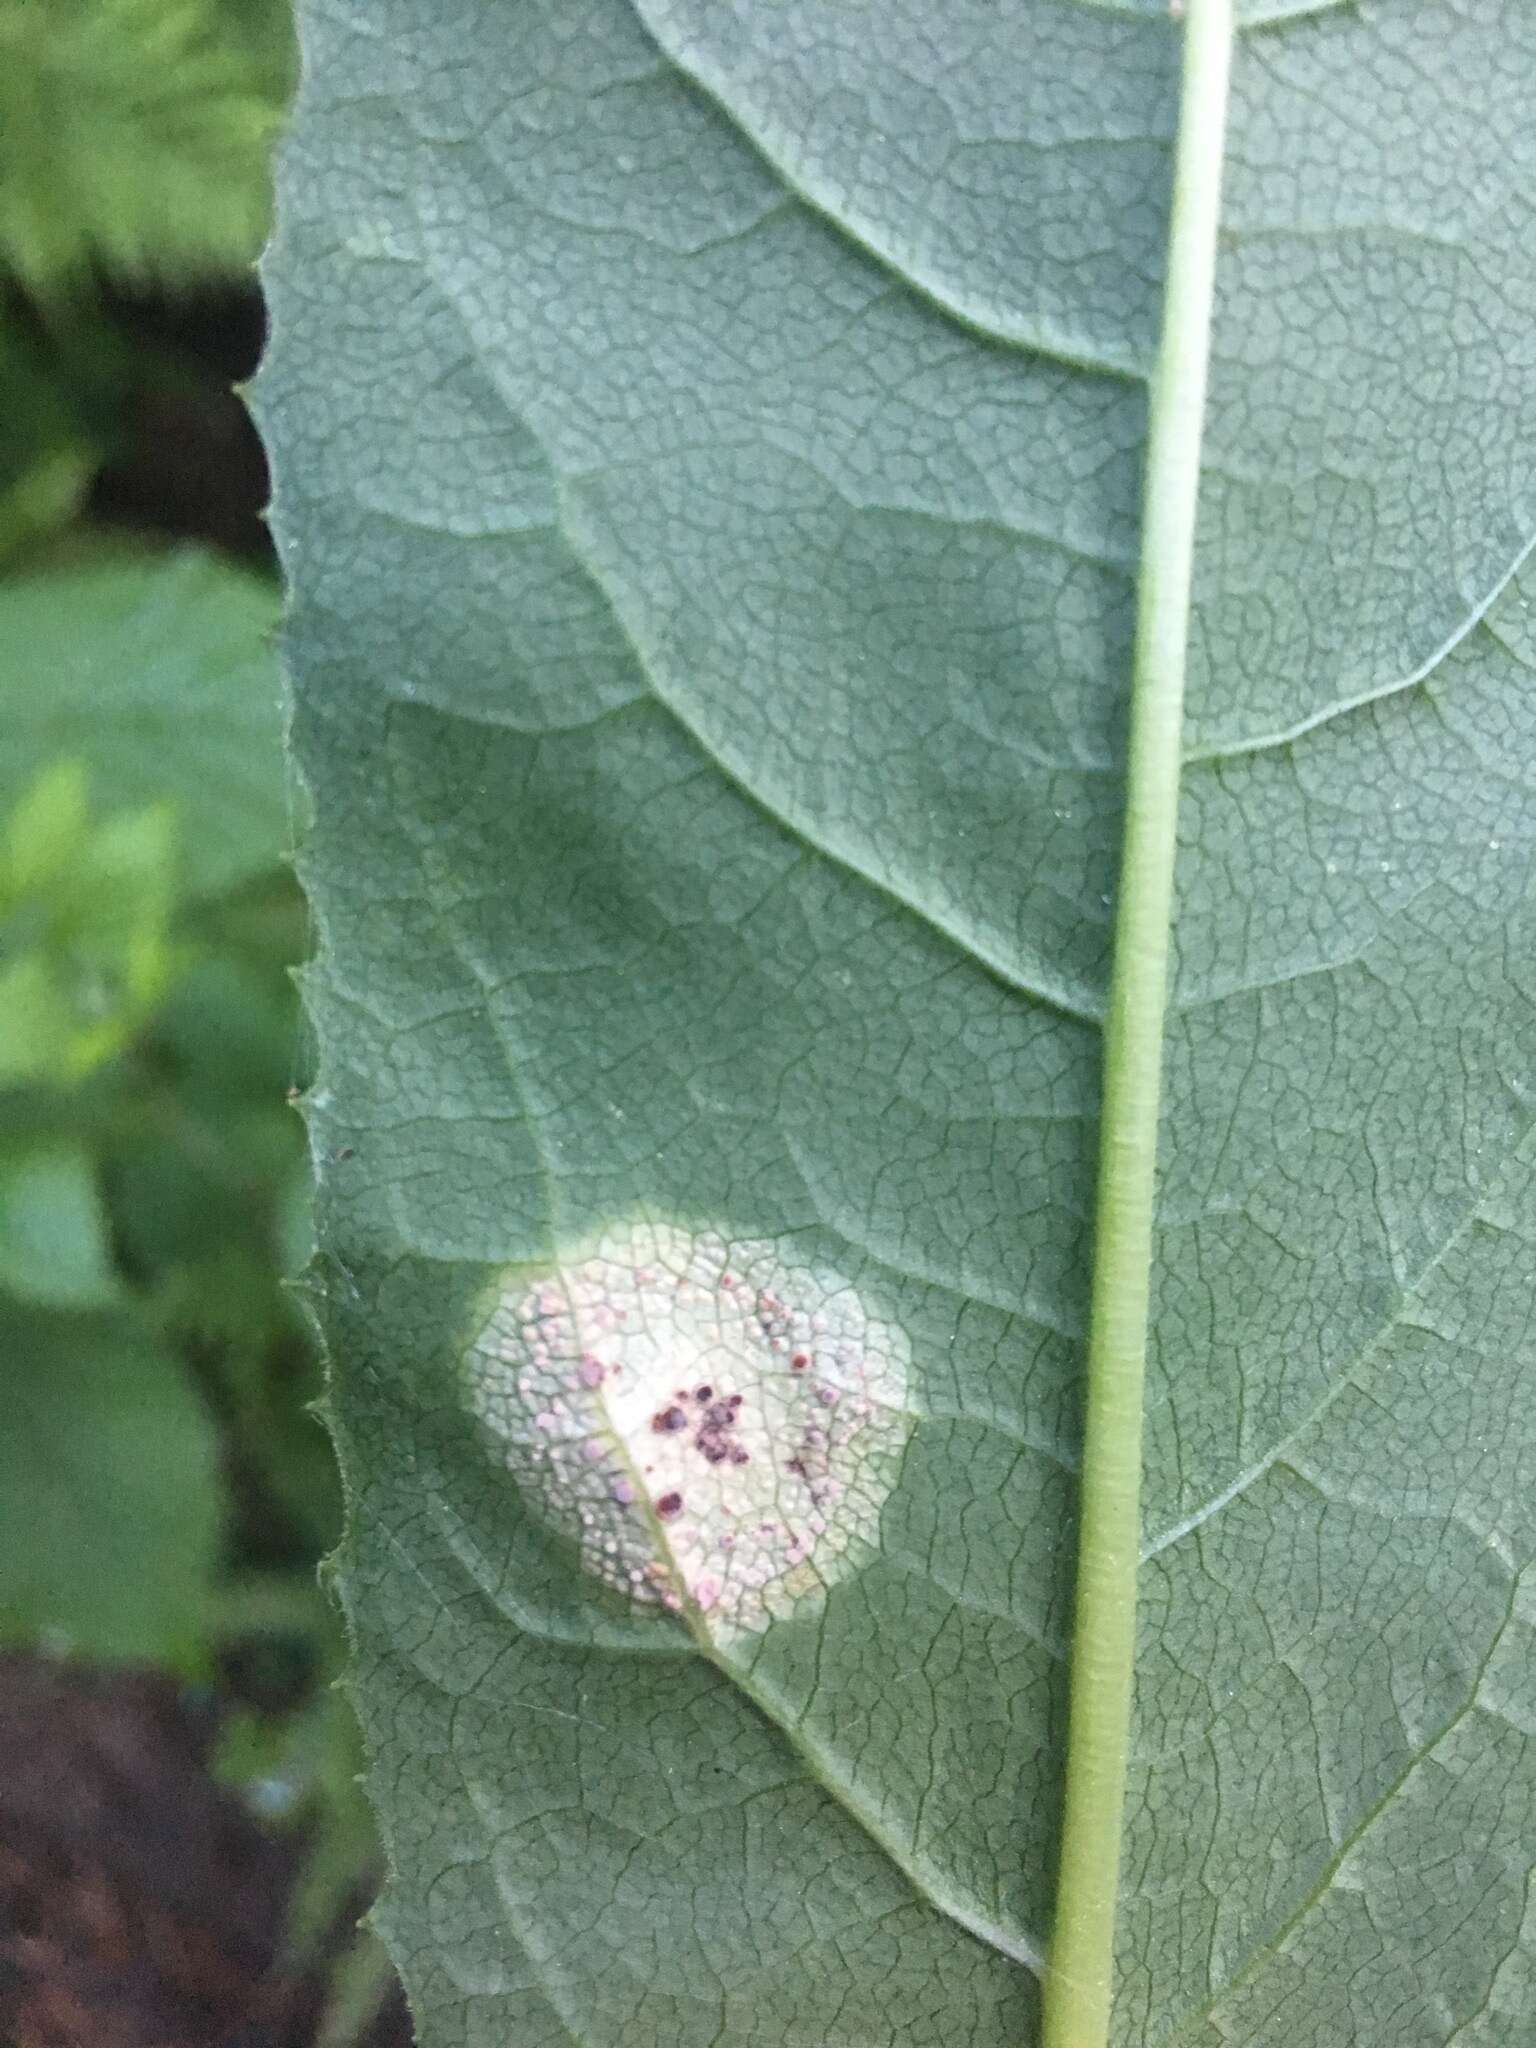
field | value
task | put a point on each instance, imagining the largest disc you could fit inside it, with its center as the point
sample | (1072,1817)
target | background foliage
(168,1490)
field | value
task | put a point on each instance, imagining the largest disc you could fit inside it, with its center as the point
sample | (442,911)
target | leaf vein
(1032,340)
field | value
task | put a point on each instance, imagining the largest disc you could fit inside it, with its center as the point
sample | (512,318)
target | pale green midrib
(1362,1827)
(1079,1982)
(1047,348)
(1292,10)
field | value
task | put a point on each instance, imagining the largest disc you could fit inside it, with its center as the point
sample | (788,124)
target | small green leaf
(44,831)
(38,1024)
(54,1246)
(85,913)
(157,673)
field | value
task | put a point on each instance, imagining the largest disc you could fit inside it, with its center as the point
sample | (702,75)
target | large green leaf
(708,440)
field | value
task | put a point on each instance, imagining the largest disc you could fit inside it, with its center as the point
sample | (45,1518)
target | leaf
(85,916)
(708,442)
(138,134)
(111,1491)
(157,674)
(53,1231)
(44,833)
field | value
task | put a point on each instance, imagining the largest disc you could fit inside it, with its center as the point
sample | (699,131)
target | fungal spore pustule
(716,1431)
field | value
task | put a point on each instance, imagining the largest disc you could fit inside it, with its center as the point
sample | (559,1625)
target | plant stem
(1078,1984)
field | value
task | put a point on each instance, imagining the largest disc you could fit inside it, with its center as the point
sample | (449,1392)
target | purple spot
(669,1506)
(668,1421)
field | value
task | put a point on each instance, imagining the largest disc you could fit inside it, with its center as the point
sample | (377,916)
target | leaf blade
(843,584)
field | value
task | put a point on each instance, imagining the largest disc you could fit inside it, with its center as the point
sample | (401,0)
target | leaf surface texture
(709,442)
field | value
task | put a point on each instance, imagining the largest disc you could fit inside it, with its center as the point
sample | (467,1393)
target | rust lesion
(670,1380)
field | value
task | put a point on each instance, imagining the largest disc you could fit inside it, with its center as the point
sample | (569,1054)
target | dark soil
(187,462)
(141,1906)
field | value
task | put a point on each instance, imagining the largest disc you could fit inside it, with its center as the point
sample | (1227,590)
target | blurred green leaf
(85,928)
(54,1244)
(108,1478)
(138,134)
(36,1019)
(157,673)
(44,830)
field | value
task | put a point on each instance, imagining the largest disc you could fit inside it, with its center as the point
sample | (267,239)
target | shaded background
(184,1854)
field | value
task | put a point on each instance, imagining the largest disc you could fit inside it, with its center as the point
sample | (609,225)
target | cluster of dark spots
(668,1421)
(809,1463)
(669,1506)
(717,1430)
